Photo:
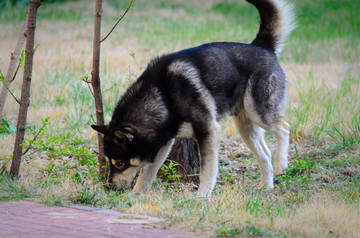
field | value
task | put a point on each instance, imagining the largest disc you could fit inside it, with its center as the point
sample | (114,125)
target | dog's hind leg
(148,174)
(253,136)
(282,131)
(208,147)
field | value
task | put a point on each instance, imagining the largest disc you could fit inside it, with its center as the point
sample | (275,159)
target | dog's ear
(124,134)
(103,129)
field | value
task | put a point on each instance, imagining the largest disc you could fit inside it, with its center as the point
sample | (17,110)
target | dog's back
(225,68)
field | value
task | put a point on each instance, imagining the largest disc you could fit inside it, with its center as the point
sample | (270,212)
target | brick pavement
(29,219)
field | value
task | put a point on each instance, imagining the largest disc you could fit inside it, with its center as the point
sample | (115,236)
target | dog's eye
(118,163)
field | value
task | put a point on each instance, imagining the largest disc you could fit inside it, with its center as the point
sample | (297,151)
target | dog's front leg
(148,174)
(208,147)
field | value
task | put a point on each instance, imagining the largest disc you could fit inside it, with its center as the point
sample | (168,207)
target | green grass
(321,56)
(338,104)
(319,23)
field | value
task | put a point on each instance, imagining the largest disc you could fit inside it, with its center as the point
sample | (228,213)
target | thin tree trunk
(95,82)
(25,91)
(13,62)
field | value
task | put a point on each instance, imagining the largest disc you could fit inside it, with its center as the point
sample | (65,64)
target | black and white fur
(185,94)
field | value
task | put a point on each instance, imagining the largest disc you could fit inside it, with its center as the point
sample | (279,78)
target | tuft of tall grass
(326,113)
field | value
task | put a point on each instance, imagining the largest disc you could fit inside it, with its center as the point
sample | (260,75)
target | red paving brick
(28,219)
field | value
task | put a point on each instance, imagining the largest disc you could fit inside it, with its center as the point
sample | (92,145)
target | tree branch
(85,79)
(45,123)
(121,17)
(5,85)
(13,60)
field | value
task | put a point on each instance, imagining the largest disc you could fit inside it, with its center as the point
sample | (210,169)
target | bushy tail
(277,20)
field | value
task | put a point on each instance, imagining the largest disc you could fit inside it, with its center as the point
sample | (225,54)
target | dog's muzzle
(117,187)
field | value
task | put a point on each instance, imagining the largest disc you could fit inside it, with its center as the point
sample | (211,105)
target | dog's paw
(137,192)
(134,193)
(280,166)
(203,194)
(279,170)
(266,186)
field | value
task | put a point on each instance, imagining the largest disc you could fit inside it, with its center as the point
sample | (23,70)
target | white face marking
(135,161)
(107,159)
(123,179)
(113,162)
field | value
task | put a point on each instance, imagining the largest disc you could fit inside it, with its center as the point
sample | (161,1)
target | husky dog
(185,94)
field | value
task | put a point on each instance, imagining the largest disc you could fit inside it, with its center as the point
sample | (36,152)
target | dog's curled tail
(277,20)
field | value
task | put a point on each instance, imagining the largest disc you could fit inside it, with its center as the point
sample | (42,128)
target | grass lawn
(319,195)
